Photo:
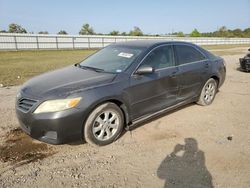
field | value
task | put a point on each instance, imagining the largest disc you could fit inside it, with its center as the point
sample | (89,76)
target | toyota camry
(115,88)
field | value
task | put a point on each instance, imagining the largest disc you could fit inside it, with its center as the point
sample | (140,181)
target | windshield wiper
(89,68)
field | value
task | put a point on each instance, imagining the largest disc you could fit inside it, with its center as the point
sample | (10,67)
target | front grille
(25,104)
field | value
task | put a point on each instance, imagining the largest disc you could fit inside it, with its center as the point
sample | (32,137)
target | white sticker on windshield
(126,55)
(118,70)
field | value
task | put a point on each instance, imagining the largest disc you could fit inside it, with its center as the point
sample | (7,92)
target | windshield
(112,59)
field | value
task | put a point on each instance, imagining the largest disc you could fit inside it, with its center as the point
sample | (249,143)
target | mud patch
(20,148)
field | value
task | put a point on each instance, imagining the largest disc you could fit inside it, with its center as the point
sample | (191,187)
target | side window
(188,54)
(160,58)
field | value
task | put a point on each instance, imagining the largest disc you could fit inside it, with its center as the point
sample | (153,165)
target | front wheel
(208,92)
(104,124)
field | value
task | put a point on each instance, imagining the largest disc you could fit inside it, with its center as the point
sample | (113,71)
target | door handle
(206,65)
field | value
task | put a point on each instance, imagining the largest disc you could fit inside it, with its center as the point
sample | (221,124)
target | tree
(209,34)
(86,30)
(180,34)
(62,32)
(136,32)
(237,33)
(15,28)
(114,33)
(3,31)
(223,32)
(123,33)
(195,33)
(223,29)
(247,32)
(43,32)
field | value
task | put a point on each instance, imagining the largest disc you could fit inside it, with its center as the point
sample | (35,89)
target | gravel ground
(193,146)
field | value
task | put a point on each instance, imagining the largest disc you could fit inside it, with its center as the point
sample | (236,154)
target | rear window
(188,54)
(209,54)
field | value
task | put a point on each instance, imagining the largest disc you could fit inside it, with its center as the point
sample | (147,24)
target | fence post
(56,43)
(103,42)
(88,42)
(37,43)
(73,41)
(15,43)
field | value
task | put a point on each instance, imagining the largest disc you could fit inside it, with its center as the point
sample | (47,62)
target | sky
(152,17)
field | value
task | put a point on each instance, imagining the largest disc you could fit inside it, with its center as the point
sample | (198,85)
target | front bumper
(53,128)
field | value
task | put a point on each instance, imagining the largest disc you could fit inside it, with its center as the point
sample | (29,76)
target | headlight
(57,105)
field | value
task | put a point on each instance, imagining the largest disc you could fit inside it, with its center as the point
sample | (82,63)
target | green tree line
(86,29)
(221,32)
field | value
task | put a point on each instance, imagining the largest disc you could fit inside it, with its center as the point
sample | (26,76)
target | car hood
(65,81)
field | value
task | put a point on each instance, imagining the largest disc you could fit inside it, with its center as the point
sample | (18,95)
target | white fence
(10,41)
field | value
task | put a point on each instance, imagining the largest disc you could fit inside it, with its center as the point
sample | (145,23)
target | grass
(225,46)
(224,53)
(223,50)
(18,66)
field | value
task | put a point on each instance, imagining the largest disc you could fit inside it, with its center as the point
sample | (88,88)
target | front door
(151,92)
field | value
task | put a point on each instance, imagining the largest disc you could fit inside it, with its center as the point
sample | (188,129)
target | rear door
(193,68)
(149,93)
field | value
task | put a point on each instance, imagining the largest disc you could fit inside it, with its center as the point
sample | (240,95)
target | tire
(208,92)
(104,124)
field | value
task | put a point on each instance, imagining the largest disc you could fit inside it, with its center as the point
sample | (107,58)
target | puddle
(20,148)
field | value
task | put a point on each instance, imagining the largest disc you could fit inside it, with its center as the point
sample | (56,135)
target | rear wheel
(104,124)
(208,92)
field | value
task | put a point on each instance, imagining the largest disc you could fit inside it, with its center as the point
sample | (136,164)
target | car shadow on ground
(77,143)
(142,123)
(185,167)
(137,125)
(241,70)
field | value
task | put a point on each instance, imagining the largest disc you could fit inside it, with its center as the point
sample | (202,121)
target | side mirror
(145,70)
(249,49)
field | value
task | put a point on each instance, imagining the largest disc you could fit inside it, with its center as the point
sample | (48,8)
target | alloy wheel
(105,125)
(210,90)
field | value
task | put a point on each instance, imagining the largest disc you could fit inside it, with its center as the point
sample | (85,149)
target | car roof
(148,43)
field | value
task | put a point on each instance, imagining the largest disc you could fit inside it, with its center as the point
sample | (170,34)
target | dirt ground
(193,146)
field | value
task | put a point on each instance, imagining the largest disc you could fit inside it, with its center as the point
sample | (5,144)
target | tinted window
(188,54)
(208,54)
(160,58)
